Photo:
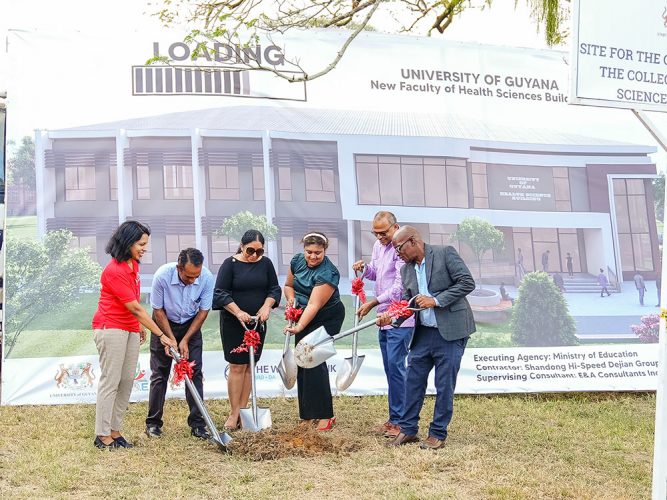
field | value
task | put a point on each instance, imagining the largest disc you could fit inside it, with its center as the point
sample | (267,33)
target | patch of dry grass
(521,446)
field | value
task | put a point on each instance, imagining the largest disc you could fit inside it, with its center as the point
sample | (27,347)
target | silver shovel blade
(248,422)
(314,349)
(348,372)
(288,368)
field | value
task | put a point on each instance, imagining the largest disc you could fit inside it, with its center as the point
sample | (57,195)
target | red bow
(358,289)
(183,369)
(292,313)
(250,339)
(399,309)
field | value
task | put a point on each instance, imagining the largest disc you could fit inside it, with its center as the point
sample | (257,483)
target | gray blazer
(449,281)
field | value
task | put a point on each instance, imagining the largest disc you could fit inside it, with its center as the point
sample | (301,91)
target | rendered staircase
(583,283)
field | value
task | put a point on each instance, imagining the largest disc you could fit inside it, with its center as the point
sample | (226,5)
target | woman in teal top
(313,280)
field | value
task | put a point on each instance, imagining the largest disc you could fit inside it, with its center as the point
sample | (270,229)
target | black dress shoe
(200,432)
(153,431)
(102,446)
(122,442)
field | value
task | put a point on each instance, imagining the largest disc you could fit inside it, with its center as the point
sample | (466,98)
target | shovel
(221,440)
(254,419)
(351,365)
(318,346)
(287,368)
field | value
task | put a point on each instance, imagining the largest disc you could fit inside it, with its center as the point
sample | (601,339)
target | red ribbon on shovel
(183,369)
(358,289)
(250,339)
(293,313)
(399,309)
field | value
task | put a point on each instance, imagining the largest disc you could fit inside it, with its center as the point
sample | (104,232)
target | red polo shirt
(120,285)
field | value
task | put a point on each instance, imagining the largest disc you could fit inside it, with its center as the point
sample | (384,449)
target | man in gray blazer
(440,280)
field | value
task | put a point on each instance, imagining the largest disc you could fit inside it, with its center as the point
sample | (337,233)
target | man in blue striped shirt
(181,297)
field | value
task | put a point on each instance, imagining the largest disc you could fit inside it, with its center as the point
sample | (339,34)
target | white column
(350,248)
(198,189)
(269,192)
(123,179)
(45,183)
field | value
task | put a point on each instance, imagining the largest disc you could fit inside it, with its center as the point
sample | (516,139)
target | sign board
(619,54)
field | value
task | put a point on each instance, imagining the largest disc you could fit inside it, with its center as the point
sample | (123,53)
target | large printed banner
(483,371)
(435,132)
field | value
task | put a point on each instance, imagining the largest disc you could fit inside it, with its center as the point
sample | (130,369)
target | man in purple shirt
(385,269)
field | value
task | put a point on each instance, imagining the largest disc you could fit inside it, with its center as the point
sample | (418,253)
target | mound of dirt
(300,441)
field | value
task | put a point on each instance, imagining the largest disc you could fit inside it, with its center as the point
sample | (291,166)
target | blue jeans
(394,347)
(429,349)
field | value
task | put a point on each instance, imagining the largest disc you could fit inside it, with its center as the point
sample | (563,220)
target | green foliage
(43,277)
(541,316)
(21,163)
(236,225)
(659,196)
(481,236)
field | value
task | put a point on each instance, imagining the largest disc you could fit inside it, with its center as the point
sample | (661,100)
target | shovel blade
(248,422)
(288,369)
(348,372)
(314,349)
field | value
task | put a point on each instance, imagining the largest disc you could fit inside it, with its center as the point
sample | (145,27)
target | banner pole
(660,445)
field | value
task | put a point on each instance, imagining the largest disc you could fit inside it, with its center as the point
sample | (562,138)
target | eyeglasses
(381,234)
(398,248)
(250,251)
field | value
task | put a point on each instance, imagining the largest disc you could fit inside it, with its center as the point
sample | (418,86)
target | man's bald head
(405,232)
(408,244)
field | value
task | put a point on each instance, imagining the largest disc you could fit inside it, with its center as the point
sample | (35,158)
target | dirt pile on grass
(271,444)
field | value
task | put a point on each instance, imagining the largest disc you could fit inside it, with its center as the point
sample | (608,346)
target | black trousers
(160,369)
(313,388)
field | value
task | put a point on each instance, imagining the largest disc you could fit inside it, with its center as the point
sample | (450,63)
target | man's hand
(425,301)
(364,309)
(383,319)
(183,349)
(263,314)
(358,265)
(168,342)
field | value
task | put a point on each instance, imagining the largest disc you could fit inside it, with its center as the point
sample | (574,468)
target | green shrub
(541,317)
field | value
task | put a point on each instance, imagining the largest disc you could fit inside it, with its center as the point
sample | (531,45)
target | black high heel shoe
(99,444)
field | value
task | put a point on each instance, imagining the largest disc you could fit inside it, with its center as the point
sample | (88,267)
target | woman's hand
(168,341)
(290,302)
(244,317)
(293,330)
(263,314)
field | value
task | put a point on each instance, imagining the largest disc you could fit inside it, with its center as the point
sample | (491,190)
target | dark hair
(249,236)
(191,255)
(126,235)
(315,238)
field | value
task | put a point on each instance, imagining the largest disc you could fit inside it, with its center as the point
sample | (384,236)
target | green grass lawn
(24,226)
(68,332)
(568,446)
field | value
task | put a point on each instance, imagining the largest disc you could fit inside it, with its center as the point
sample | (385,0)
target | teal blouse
(306,278)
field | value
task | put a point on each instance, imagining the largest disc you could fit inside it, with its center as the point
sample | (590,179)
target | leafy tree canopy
(243,22)
(42,277)
(21,162)
(541,316)
(480,235)
(235,226)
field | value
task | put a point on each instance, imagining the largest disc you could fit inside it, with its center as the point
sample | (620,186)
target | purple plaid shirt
(385,269)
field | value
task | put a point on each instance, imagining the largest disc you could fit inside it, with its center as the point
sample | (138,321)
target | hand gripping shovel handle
(221,440)
(251,356)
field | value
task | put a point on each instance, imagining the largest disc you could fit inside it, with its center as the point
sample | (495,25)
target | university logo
(140,379)
(74,376)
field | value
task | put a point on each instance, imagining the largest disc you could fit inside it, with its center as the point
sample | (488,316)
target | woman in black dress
(247,285)
(313,280)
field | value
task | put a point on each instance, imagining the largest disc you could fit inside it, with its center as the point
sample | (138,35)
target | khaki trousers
(119,353)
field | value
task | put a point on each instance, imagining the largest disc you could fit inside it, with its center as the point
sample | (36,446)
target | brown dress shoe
(393,431)
(402,439)
(431,443)
(381,429)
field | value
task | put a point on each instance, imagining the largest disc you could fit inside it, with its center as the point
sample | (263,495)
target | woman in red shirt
(118,332)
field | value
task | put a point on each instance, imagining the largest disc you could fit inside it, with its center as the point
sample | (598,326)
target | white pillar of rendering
(269,193)
(123,178)
(198,190)
(45,183)
(351,259)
